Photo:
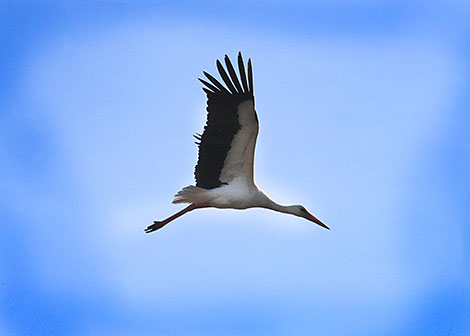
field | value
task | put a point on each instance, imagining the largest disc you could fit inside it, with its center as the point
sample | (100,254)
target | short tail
(190,194)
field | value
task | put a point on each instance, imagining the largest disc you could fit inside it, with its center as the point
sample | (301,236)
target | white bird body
(238,194)
(224,172)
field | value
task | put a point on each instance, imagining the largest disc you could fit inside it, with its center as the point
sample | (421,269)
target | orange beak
(316,221)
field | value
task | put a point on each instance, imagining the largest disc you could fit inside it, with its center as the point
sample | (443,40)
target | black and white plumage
(224,171)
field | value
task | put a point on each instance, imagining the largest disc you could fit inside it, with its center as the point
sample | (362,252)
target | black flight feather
(232,73)
(215,82)
(241,69)
(250,76)
(209,85)
(224,76)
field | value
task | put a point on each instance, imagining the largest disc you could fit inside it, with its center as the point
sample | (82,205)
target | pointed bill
(316,221)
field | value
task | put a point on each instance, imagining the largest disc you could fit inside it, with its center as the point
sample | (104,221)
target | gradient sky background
(364,113)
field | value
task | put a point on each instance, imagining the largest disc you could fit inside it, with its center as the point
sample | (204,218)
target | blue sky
(363,108)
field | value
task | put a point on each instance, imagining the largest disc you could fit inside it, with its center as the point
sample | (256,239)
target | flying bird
(224,170)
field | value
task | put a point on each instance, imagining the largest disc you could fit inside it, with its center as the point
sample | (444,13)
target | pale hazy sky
(362,108)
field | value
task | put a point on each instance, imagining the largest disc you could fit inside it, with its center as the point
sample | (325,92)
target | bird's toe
(155,226)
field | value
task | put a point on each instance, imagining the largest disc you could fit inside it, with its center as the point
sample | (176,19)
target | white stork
(224,170)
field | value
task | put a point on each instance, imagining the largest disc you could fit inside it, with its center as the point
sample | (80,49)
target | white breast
(238,194)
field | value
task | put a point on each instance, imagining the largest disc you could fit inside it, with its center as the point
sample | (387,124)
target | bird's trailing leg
(159,224)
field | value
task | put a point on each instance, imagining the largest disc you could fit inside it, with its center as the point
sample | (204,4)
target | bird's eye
(303,209)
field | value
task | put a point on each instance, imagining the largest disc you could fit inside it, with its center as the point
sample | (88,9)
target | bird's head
(299,210)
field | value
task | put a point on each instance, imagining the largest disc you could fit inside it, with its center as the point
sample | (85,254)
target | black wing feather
(222,122)
(215,82)
(209,85)
(225,77)
(250,76)
(232,73)
(241,69)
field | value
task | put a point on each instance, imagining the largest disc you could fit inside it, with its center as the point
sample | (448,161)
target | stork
(224,170)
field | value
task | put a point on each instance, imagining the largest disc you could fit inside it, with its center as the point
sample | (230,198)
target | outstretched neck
(288,209)
(270,204)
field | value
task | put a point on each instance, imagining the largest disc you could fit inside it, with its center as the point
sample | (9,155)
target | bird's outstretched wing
(227,145)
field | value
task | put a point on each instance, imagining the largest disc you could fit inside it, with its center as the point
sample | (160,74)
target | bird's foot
(155,226)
